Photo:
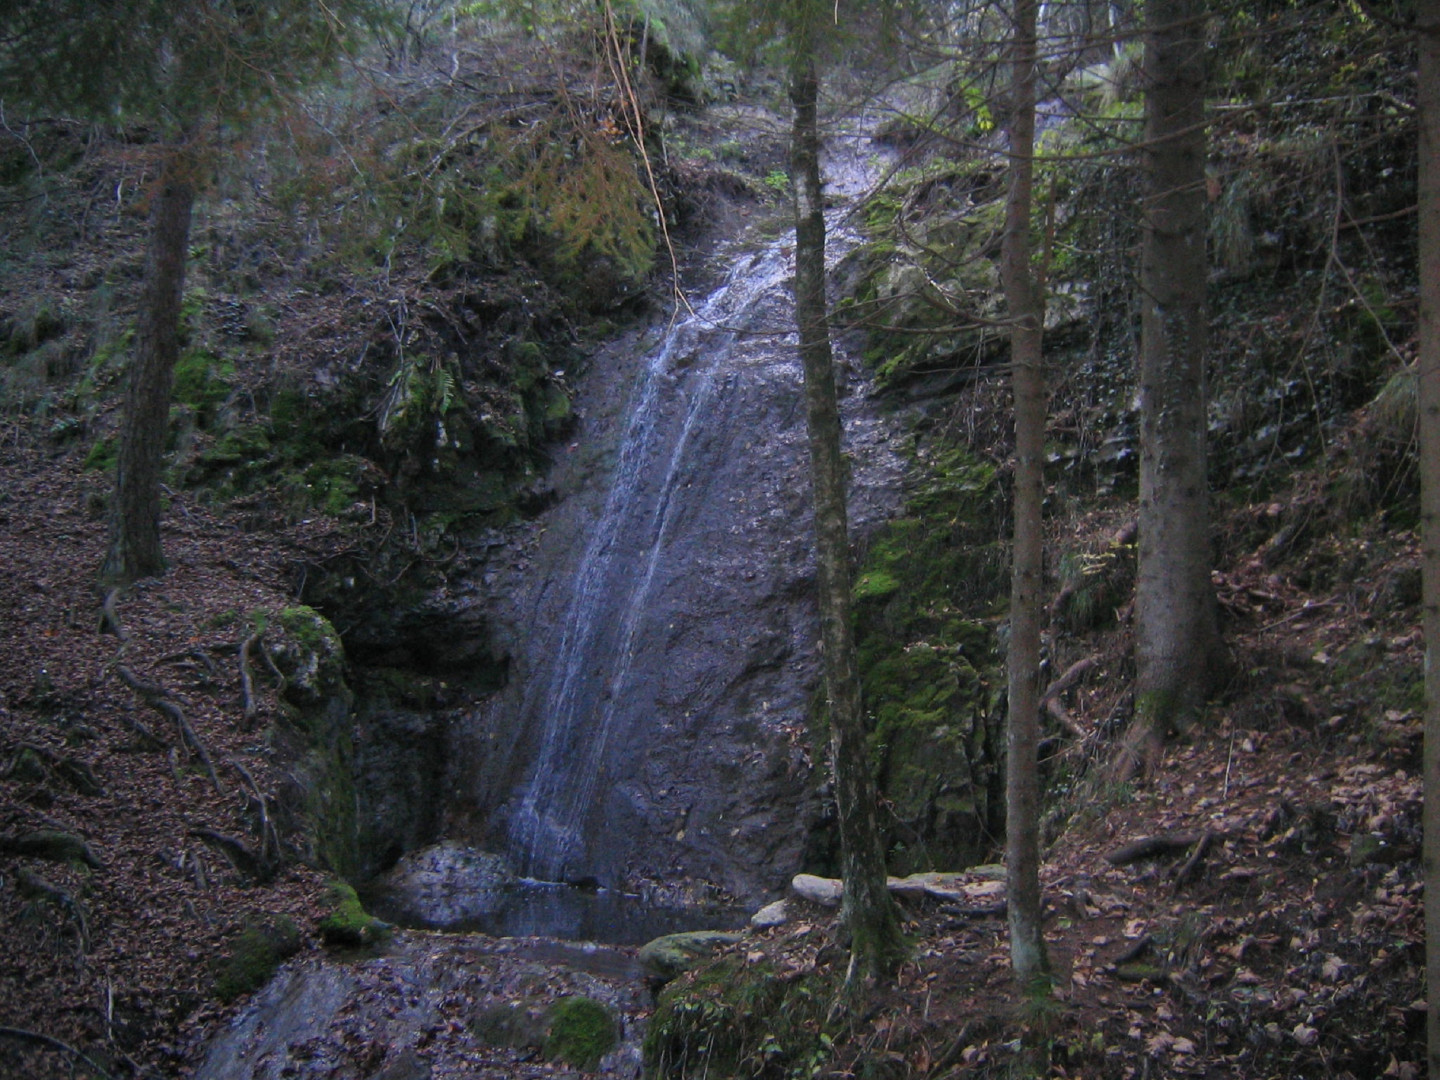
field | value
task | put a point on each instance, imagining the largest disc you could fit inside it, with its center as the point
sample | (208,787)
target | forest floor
(1272,926)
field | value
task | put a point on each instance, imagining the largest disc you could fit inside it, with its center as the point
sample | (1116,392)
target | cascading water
(593,667)
(661,629)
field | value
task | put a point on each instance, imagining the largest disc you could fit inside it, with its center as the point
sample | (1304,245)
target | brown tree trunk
(1026,310)
(868,912)
(1176,641)
(135,550)
(1429,383)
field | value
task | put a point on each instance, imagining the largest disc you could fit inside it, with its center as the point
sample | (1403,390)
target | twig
(24,1035)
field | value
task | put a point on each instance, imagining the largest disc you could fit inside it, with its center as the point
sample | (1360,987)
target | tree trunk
(1176,641)
(868,912)
(135,515)
(1428,376)
(1026,311)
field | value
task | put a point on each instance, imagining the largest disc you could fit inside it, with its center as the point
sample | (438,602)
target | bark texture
(1026,309)
(868,912)
(1176,646)
(135,550)
(1429,384)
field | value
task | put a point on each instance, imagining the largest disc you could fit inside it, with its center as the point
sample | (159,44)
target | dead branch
(25,1035)
(1192,864)
(1150,847)
(155,696)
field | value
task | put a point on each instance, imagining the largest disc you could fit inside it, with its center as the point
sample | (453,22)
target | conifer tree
(182,73)
(871,920)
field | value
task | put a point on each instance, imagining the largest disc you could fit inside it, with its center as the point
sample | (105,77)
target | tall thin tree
(876,944)
(1428,376)
(1176,640)
(1025,304)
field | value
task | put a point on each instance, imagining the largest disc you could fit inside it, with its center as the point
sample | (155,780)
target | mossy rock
(668,956)
(580,1032)
(738,1018)
(311,657)
(348,923)
(254,955)
(520,1025)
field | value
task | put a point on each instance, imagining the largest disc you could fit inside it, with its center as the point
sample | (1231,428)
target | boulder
(668,956)
(444,885)
(818,890)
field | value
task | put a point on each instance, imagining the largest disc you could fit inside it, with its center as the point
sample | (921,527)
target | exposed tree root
(156,697)
(24,1035)
(32,885)
(247,682)
(240,854)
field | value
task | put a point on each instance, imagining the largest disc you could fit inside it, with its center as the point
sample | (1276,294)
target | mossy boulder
(310,656)
(668,956)
(741,1018)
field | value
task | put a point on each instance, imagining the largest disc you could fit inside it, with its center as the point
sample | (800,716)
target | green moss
(348,923)
(930,669)
(253,956)
(101,457)
(581,1032)
(202,383)
(735,1018)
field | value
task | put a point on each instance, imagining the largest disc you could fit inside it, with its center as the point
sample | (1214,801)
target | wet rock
(444,885)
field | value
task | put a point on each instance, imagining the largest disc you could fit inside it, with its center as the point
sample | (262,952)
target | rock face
(660,626)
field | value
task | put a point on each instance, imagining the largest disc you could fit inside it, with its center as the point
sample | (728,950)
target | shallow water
(566,913)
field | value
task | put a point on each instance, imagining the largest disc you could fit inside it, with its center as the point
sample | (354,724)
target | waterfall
(578,703)
(663,632)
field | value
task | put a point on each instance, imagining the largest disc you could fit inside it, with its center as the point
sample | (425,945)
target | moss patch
(581,1032)
(253,956)
(735,1018)
(348,923)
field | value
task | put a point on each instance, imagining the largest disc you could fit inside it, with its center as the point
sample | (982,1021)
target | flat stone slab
(978,885)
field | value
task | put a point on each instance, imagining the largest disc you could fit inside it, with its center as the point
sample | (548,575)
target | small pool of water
(566,913)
